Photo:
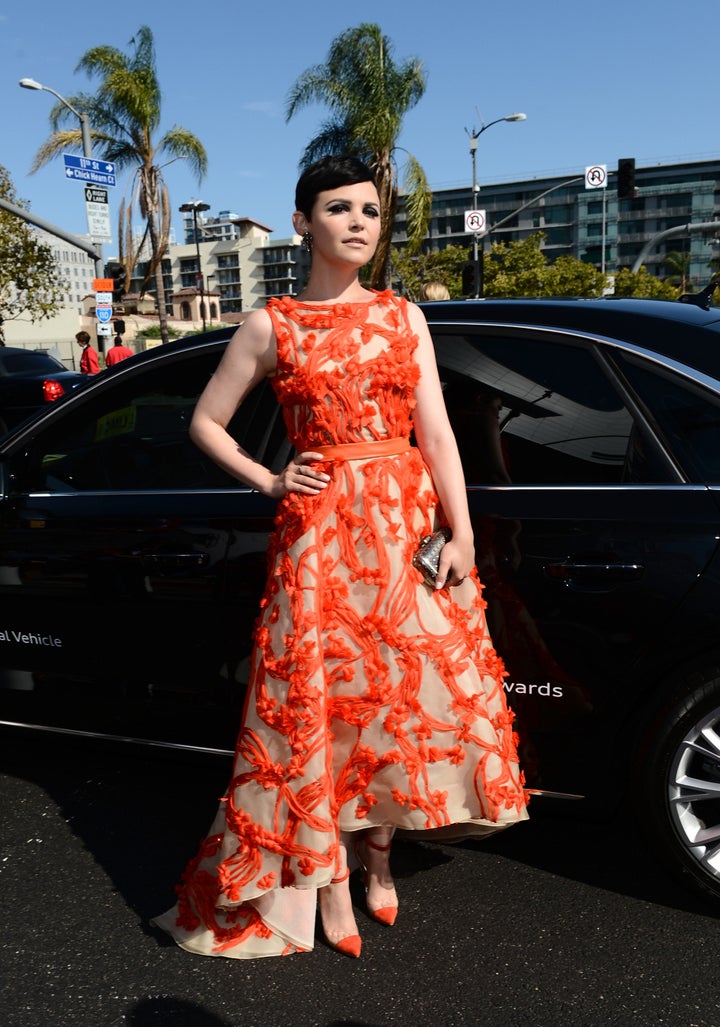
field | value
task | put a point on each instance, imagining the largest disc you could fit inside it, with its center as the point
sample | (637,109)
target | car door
(590,536)
(130,566)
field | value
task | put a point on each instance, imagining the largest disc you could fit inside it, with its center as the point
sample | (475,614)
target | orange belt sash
(363,450)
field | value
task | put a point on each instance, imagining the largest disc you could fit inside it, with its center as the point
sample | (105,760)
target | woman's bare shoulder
(251,348)
(255,324)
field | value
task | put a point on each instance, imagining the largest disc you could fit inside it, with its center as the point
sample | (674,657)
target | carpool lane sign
(87,169)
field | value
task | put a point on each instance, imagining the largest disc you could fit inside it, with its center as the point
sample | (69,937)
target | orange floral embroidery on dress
(372,699)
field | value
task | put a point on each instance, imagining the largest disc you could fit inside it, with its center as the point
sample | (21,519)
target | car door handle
(594,572)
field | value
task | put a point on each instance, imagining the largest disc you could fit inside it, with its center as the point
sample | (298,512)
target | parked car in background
(28,380)
(131,567)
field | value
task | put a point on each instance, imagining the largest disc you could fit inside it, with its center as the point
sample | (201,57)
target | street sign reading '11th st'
(87,169)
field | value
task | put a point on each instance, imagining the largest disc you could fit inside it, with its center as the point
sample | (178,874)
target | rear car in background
(28,380)
(131,567)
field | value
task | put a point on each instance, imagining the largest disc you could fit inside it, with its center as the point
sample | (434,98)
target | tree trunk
(387,191)
(159,283)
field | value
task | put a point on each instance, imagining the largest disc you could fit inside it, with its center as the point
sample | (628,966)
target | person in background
(434,290)
(375,702)
(89,360)
(117,352)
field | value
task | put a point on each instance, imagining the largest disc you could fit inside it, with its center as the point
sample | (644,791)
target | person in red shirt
(89,360)
(117,352)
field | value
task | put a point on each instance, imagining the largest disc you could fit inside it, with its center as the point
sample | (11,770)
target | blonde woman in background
(434,290)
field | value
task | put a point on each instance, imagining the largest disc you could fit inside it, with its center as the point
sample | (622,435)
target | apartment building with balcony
(242,265)
(593,225)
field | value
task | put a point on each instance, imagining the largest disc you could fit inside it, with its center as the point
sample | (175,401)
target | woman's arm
(438,446)
(251,355)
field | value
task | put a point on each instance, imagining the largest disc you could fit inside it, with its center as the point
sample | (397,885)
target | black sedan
(28,380)
(131,567)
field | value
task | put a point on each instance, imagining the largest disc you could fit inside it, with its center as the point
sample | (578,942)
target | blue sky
(597,82)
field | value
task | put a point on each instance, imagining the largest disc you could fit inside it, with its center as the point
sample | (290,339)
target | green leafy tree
(568,276)
(31,283)
(153,332)
(368,95)
(521,269)
(515,268)
(642,285)
(124,116)
(410,272)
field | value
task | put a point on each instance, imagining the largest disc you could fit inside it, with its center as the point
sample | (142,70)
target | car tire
(677,785)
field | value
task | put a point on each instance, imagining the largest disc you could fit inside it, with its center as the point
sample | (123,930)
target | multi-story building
(245,266)
(233,261)
(591,224)
(242,265)
(76,268)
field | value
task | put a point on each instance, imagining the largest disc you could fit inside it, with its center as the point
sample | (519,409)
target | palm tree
(368,94)
(124,114)
(678,264)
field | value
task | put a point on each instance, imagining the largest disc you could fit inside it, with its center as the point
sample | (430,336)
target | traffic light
(119,326)
(626,178)
(117,272)
(468,278)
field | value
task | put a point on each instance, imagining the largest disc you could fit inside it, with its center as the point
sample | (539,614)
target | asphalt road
(554,923)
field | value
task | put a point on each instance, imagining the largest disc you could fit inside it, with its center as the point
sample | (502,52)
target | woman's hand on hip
(301,476)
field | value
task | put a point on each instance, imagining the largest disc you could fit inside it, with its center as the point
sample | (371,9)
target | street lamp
(194,207)
(30,83)
(209,296)
(474,135)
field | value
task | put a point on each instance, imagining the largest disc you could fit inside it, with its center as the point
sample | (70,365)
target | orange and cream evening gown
(373,700)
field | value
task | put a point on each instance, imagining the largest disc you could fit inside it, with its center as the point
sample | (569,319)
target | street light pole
(209,296)
(477,256)
(30,83)
(194,207)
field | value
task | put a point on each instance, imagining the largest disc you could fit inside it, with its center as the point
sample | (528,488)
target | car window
(540,411)
(687,414)
(134,434)
(29,363)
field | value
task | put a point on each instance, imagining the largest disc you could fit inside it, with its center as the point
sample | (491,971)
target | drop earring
(307,241)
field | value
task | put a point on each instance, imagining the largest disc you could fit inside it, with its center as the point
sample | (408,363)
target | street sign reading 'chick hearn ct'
(87,169)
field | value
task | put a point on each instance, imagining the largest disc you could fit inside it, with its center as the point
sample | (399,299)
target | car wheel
(677,793)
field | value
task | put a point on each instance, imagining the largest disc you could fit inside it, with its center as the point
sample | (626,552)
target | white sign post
(98,213)
(596,178)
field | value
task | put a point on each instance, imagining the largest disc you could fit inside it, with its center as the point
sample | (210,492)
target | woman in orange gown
(375,702)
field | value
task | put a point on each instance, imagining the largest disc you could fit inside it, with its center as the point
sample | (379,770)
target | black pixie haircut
(328,173)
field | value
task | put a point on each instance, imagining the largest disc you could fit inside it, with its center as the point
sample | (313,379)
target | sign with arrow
(87,169)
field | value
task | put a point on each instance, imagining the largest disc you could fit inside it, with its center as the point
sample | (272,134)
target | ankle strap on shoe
(378,848)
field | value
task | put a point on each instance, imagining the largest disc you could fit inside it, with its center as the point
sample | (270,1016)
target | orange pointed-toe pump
(351,944)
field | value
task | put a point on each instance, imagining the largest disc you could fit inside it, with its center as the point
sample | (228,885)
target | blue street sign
(103,314)
(87,169)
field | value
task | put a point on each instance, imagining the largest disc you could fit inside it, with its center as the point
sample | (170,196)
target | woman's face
(345,224)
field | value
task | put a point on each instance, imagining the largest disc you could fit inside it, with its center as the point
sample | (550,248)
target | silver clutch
(427,555)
